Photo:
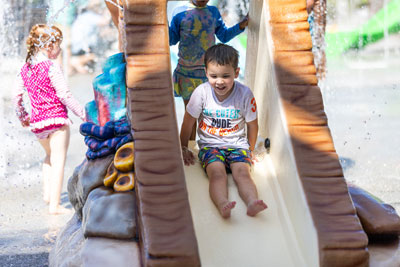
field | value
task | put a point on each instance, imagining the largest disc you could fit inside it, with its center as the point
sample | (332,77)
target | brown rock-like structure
(165,224)
(87,176)
(103,230)
(377,218)
(111,215)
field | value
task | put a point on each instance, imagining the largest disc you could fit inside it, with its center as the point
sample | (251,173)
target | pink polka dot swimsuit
(49,97)
(45,104)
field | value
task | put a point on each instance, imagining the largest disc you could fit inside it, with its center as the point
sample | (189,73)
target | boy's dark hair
(222,54)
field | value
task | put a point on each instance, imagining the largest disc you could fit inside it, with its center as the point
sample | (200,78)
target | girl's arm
(174,30)
(186,130)
(63,93)
(252,132)
(22,115)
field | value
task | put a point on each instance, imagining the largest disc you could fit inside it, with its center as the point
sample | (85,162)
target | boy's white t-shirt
(222,124)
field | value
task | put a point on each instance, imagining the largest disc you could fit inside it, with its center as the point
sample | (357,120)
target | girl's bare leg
(219,189)
(193,134)
(46,169)
(59,142)
(246,187)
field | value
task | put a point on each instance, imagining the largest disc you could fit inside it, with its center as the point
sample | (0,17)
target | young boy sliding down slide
(223,107)
(195,26)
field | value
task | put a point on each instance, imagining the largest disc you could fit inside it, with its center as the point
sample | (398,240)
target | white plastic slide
(282,235)
(265,240)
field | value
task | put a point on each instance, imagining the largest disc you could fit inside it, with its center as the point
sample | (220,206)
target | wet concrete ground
(361,95)
(362,101)
(27,232)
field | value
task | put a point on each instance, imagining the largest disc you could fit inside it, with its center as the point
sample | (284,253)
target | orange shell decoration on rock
(125,182)
(123,159)
(111,175)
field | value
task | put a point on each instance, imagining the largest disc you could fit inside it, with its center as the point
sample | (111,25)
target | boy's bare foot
(58,210)
(255,207)
(225,209)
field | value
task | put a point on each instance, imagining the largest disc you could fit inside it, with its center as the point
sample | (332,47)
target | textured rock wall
(103,230)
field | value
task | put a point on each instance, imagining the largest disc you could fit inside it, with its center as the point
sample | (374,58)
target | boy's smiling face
(222,79)
(200,3)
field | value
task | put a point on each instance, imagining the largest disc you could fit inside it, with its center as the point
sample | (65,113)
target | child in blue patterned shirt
(194,26)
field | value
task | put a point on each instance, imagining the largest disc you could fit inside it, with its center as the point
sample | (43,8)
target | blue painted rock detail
(109,92)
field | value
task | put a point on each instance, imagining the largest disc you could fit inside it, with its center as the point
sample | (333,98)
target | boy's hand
(244,22)
(188,157)
(253,157)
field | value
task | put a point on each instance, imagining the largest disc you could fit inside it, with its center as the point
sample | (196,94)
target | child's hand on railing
(244,22)
(187,155)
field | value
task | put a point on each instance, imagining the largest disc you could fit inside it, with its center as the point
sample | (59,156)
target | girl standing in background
(49,97)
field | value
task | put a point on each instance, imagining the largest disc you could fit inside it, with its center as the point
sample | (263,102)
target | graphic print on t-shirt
(221,121)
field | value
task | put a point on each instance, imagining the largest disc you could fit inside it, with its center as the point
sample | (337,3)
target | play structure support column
(291,114)
(166,232)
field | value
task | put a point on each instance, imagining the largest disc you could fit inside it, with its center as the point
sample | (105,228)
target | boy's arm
(252,132)
(173,31)
(186,130)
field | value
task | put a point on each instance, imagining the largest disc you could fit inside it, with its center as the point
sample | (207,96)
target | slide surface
(387,19)
(265,240)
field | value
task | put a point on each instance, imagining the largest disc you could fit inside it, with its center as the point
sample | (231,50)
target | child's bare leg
(46,169)
(193,134)
(219,189)
(246,187)
(59,142)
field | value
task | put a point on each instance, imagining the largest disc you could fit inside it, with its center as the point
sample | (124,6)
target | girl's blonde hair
(41,36)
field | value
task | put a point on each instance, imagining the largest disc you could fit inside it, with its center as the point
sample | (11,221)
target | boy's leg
(46,169)
(59,142)
(219,189)
(246,187)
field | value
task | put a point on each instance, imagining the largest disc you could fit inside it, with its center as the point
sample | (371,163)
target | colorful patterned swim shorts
(186,80)
(225,155)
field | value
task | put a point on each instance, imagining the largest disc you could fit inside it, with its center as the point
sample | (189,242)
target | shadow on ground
(25,260)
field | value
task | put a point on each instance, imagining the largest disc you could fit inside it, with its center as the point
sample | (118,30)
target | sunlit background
(361,94)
